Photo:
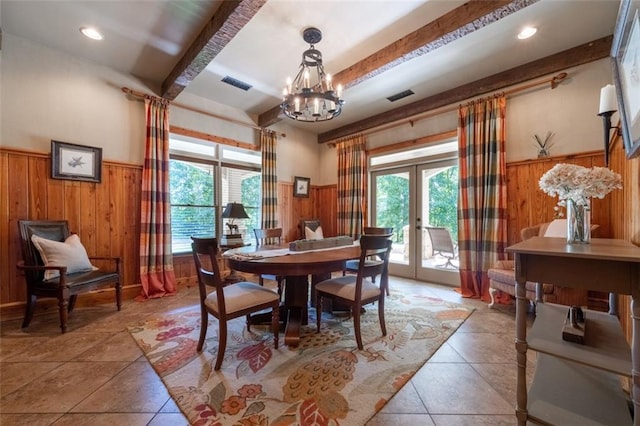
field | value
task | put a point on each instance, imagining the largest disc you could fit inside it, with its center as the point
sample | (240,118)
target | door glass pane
(440,209)
(392,210)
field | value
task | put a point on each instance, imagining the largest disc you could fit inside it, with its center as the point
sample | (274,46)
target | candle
(289,84)
(608,99)
(296,101)
(316,107)
(329,82)
(339,93)
(306,79)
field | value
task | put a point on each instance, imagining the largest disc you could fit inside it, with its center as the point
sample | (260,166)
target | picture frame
(625,51)
(301,186)
(76,162)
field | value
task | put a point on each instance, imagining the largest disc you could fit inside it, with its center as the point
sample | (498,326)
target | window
(203,178)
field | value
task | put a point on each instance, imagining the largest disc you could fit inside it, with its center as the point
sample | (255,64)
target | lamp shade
(234,211)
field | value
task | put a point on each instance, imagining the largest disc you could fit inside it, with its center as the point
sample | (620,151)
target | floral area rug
(324,381)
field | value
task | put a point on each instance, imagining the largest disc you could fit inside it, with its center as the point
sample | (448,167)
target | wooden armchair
(370,263)
(310,229)
(266,237)
(357,290)
(230,301)
(56,265)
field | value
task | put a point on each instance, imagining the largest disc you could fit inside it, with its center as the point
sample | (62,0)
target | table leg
(296,296)
(521,342)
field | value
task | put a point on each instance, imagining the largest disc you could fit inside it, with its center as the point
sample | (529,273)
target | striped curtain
(269,179)
(156,261)
(482,203)
(352,185)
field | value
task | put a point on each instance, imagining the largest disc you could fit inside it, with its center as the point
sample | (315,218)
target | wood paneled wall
(528,205)
(105,215)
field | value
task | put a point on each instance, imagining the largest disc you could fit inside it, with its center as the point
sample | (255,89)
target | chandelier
(310,96)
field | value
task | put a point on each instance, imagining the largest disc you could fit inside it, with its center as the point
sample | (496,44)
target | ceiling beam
(575,56)
(223,26)
(451,26)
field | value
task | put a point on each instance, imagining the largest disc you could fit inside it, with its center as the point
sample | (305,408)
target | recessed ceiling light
(92,33)
(527,32)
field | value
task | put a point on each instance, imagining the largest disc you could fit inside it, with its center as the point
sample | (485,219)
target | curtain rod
(555,80)
(199,111)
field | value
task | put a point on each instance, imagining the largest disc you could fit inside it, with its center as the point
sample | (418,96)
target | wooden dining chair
(230,301)
(56,264)
(358,290)
(269,236)
(353,265)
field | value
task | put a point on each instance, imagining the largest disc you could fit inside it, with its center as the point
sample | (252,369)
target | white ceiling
(147,38)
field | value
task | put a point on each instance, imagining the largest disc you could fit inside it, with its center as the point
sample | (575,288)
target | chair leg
(222,344)
(383,325)
(280,280)
(318,311)
(275,324)
(204,322)
(248,322)
(28,311)
(492,292)
(63,308)
(261,280)
(72,302)
(118,295)
(355,311)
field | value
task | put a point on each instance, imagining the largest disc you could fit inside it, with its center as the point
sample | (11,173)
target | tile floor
(96,374)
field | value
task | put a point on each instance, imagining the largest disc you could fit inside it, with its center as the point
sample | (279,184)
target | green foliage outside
(392,202)
(443,202)
(192,212)
(251,188)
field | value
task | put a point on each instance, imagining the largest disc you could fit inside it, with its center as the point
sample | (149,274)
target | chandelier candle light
(310,96)
(575,186)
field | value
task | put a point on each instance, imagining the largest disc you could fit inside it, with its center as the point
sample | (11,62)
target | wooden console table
(573,383)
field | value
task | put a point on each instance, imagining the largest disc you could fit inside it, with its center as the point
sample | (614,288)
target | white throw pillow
(70,253)
(557,228)
(313,235)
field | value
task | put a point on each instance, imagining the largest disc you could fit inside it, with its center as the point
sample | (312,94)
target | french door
(410,199)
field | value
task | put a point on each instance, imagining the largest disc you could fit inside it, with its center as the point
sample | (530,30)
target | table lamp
(233,211)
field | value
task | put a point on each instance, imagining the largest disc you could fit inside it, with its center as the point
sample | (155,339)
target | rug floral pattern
(325,381)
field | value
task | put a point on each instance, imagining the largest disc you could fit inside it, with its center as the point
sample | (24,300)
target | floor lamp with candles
(608,106)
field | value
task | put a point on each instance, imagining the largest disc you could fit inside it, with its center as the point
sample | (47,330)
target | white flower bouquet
(579,184)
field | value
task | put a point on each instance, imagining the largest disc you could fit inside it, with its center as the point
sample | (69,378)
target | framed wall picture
(625,51)
(76,162)
(301,186)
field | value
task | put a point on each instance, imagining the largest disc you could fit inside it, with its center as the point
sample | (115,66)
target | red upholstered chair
(227,302)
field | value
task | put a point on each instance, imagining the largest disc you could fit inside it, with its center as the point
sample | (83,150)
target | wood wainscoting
(106,214)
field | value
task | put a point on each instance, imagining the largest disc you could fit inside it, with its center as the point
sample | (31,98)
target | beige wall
(569,111)
(47,94)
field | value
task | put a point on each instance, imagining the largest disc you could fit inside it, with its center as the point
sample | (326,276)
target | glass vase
(578,222)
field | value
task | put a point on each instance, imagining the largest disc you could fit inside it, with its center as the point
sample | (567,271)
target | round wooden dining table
(297,268)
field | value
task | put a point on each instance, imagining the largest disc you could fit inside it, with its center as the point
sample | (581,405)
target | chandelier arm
(310,97)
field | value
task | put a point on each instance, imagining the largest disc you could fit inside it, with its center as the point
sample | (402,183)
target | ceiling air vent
(400,95)
(237,83)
